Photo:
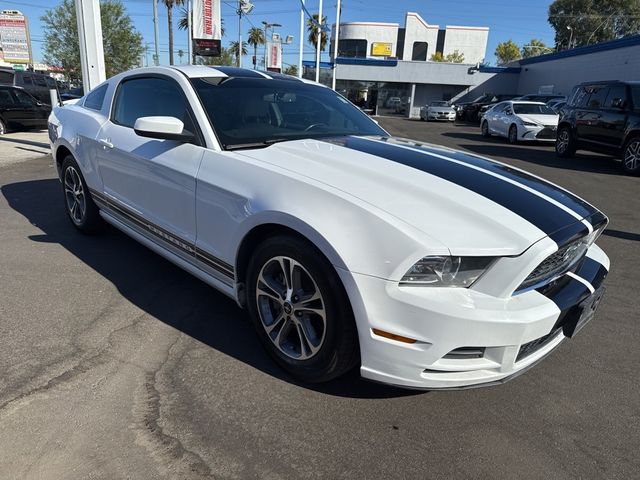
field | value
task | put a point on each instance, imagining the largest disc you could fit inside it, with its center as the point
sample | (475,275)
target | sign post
(91,50)
(14,37)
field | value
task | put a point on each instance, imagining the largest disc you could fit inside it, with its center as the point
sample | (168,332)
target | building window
(352,48)
(420,51)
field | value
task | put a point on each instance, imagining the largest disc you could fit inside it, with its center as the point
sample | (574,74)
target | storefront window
(352,48)
(420,51)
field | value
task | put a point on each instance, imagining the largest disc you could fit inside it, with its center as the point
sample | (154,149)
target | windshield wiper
(262,144)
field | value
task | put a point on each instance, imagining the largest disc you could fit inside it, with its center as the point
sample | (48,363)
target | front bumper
(512,334)
(447,116)
(537,134)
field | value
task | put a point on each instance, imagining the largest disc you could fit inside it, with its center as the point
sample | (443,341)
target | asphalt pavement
(117,364)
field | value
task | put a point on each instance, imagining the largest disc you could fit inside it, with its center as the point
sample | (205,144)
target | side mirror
(164,128)
(509,112)
(617,103)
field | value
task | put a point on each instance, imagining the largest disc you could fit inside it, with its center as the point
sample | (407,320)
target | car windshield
(249,112)
(439,104)
(532,109)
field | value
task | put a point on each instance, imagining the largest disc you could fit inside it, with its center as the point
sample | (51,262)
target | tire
(484,129)
(3,127)
(80,208)
(292,330)
(513,134)
(631,156)
(565,143)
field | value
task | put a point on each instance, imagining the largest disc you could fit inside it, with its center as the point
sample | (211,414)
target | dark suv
(37,84)
(602,117)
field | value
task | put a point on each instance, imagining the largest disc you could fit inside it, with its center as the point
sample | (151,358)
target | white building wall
(470,41)
(417,30)
(369,31)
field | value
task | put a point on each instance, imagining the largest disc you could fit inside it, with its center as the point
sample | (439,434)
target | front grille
(535,345)
(556,264)
(546,133)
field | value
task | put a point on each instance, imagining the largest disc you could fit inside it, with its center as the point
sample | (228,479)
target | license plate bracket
(585,311)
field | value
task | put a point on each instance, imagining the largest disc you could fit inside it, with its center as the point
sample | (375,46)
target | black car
(20,110)
(602,117)
(72,94)
(470,111)
(37,84)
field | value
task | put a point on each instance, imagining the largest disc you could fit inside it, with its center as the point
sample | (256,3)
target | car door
(494,117)
(588,115)
(610,128)
(28,108)
(11,113)
(151,181)
(504,121)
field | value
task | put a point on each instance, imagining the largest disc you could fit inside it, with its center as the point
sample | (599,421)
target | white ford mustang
(427,267)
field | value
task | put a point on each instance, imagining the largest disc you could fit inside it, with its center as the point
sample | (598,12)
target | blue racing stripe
(549,218)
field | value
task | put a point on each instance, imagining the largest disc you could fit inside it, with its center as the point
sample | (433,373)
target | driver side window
(24,98)
(149,97)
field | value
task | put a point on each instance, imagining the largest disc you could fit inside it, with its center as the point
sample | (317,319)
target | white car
(425,266)
(521,121)
(438,111)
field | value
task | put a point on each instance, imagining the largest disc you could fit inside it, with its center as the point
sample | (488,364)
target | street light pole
(318,41)
(570,36)
(156,57)
(189,34)
(239,52)
(336,36)
(301,40)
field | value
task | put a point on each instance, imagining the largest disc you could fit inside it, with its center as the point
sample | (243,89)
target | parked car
(438,110)
(603,117)
(72,94)
(521,121)
(557,104)
(426,267)
(470,112)
(393,102)
(36,84)
(21,111)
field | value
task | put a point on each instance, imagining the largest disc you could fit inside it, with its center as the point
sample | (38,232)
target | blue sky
(519,20)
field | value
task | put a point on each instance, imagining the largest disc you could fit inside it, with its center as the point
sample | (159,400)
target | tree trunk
(255,55)
(170,22)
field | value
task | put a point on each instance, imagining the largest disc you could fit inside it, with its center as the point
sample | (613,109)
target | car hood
(470,204)
(540,119)
(441,109)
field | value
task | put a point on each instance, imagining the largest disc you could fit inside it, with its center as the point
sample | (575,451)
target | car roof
(525,102)
(200,71)
(610,82)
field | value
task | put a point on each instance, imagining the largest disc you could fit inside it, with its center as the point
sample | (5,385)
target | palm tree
(180,55)
(235,48)
(312,28)
(256,37)
(170,4)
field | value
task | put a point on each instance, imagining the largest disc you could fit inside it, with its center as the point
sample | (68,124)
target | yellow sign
(381,49)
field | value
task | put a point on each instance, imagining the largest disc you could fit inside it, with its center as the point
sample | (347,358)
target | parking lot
(117,364)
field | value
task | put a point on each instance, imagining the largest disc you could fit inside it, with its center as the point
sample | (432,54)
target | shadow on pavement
(165,291)
(22,141)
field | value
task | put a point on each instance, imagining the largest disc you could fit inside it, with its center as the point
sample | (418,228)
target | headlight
(440,271)
(528,124)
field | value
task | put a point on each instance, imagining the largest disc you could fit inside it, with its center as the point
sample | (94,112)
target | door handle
(105,142)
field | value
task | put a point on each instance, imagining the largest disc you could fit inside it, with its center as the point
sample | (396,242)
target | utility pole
(336,36)
(319,40)
(239,52)
(189,34)
(156,57)
(301,39)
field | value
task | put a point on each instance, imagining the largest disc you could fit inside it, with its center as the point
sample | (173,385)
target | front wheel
(565,143)
(631,157)
(300,310)
(81,209)
(513,134)
(485,129)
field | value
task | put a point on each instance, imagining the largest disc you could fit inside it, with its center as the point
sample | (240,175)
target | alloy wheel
(75,196)
(632,156)
(291,308)
(3,129)
(562,142)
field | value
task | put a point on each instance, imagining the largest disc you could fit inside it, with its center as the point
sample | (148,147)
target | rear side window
(598,97)
(95,99)
(581,98)
(6,98)
(618,92)
(145,97)
(26,80)
(39,81)
(6,78)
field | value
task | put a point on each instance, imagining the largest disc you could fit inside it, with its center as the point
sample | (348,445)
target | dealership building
(387,69)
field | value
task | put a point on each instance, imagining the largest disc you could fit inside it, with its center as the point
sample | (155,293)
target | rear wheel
(300,310)
(82,211)
(631,156)
(513,134)
(3,127)
(565,143)
(484,128)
